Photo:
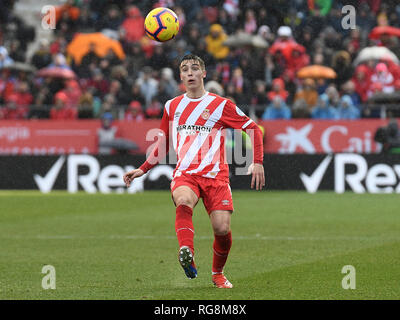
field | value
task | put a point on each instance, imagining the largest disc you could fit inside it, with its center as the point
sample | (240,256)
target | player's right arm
(156,155)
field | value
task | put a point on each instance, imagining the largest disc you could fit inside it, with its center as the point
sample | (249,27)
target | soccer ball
(161,24)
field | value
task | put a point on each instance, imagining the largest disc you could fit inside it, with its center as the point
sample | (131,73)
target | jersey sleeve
(161,147)
(233,117)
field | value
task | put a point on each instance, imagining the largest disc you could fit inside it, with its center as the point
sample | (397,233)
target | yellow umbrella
(316,71)
(79,46)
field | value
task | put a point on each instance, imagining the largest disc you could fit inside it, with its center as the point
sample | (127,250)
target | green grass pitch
(286,245)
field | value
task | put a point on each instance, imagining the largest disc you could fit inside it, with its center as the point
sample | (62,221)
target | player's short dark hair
(194,57)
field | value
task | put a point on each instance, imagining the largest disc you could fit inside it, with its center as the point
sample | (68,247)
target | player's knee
(184,200)
(222,229)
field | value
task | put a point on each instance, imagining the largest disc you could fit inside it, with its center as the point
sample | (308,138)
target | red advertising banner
(321,136)
(46,137)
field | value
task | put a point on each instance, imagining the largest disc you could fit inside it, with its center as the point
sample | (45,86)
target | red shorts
(216,194)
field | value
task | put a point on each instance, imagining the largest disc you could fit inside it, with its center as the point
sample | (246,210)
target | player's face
(192,74)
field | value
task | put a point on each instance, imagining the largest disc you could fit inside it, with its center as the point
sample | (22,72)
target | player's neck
(195,94)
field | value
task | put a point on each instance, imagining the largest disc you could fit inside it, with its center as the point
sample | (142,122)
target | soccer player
(195,122)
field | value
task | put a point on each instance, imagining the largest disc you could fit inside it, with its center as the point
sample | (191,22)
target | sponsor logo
(193,129)
(305,140)
(177,114)
(12,134)
(293,139)
(205,114)
(352,170)
(96,179)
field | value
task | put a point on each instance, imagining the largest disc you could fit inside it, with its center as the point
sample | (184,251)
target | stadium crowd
(135,83)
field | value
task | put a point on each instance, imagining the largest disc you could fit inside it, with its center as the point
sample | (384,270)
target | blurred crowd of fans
(134,84)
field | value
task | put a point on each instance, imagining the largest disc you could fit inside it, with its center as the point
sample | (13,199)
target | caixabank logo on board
(352,171)
(95,178)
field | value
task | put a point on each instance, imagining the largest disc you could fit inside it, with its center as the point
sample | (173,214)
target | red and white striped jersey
(196,128)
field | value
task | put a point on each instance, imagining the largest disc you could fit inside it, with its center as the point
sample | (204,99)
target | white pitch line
(167,237)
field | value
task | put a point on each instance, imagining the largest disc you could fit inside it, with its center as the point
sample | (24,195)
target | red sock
(221,246)
(184,226)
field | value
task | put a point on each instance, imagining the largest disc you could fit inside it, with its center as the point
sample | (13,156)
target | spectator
(348,88)
(214,87)
(347,110)
(191,8)
(40,109)
(324,110)
(157,60)
(226,21)
(365,18)
(154,110)
(278,89)
(300,109)
(308,93)
(5,60)
(170,84)
(240,86)
(259,97)
(59,61)
(42,57)
(384,77)
(88,62)
(283,41)
(22,98)
(296,58)
(106,134)
(136,95)
(389,137)
(12,111)
(116,91)
(73,92)
(133,25)
(85,105)
(341,63)
(112,19)
(86,21)
(265,32)
(135,59)
(134,112)
(315,21)
(333,95)
(231,7)
(61,110)
(15,52)
(108,104)
(215,40)
(362,81)
(277,109)
(250,22)
(98,82)
(148,85)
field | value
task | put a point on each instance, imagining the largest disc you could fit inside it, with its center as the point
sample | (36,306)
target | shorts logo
(205,114)
(172,183)
(225,202)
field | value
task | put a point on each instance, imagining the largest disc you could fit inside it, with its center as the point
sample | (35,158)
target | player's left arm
(234,118)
